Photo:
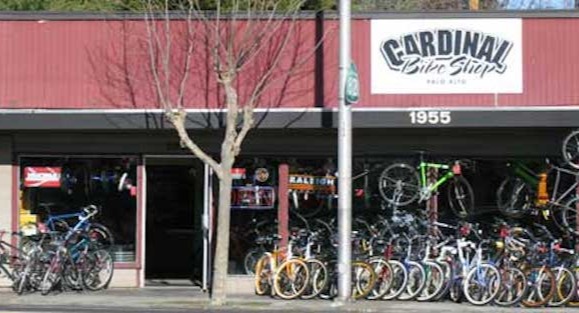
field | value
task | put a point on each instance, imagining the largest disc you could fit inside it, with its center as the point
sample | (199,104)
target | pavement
(171,299)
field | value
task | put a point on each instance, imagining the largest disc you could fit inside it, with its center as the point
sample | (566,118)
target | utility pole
(344,162)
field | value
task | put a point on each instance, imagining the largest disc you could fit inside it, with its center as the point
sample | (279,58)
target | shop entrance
(174,207)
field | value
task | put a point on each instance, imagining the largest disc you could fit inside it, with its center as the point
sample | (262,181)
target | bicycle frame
(428,188)
(555,198)
(50,221)
(526,174)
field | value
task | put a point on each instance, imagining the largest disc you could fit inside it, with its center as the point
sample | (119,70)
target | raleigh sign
(446,56)
(44,177)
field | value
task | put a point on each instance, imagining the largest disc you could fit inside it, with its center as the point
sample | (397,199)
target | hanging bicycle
(400,184)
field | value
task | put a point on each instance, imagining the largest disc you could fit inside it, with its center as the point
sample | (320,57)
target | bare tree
(245,41)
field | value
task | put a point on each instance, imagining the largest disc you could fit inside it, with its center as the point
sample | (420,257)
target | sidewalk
(169,298)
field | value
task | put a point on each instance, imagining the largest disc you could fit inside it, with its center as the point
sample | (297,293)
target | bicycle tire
(291,279)
(570,149)
(512,280)
(384,277)
(95,279)
(399,280)
(435,281)
(448,269)
(311,207)
(569,216)
(250,260)
(566,286)
(263,276)
(318,279)
(330,291)
(51,277)
(455,293)
(575,300)
(514,197)
(399,184)
(537,297)
(460,197)
(363,279)
(101,236)
(492,279)
(20,283)
(416,281)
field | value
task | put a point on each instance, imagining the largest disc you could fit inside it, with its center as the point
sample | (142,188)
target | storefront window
(254,203)
(62,185)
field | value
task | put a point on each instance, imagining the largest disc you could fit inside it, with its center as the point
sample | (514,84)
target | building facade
(77,101)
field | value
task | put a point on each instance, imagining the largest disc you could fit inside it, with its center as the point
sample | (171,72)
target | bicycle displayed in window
(401,184)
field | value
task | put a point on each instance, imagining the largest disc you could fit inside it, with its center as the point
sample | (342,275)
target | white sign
(446,56)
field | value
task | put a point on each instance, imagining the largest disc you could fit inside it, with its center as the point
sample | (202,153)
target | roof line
(100,16)
(290,110)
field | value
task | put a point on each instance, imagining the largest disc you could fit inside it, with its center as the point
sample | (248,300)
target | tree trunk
(220,266)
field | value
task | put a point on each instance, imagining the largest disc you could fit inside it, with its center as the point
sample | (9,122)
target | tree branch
(177,118)
(246,126)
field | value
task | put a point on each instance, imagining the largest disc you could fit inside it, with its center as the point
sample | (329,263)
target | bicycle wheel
(448,269)
(101,236)
(575,300)
(330,291)
(99,270)
(460,197)
(309,206)
(399,280)
(566,286)
(542,285)
(51,277)
(318,279)
(416,281)
(435,279)
(570,149)
(514,197)
(568,217)
(263,276)
(363,279)
(291,279)
(384,278)
(482,284)
(20,282)
(513,287)
(455,292)
(251,258)
(399,184)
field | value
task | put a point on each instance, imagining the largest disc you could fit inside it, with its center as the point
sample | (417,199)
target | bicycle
(58,223)
(78,259)
(400,184)
(478,280)
(552,192)
(517,193)
(11,257)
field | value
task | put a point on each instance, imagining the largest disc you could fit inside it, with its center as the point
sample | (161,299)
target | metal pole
(344,163)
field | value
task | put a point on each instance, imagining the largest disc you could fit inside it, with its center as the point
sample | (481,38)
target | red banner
(44,177)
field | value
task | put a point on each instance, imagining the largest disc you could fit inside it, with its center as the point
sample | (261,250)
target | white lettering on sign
(430,117)
(43,176)
(311,180)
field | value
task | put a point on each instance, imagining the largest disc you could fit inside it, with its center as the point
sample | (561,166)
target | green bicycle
(400,184)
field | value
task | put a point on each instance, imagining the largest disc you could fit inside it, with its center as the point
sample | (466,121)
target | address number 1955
(430,117)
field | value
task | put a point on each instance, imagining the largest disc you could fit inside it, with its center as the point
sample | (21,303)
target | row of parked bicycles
(69,252)
(408,257)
